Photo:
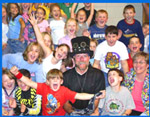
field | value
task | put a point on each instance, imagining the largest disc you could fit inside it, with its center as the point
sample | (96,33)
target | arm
(96,64)
(124,65)
(39,36)
(68,107)
(91,14)
(26,80)
(73,9)
(37,106)
(96,111)
(127,112)
(83,96)
(22,23)
(146,8)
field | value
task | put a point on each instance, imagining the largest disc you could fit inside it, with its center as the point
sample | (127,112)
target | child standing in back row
(129,26)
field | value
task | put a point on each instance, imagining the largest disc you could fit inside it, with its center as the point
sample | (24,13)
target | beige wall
(115,11)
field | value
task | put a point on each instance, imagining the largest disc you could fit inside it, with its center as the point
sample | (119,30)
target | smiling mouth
(55,86)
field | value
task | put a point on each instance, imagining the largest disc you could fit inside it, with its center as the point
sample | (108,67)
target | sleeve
(70,95)
(37,106)
(124,52)
(10,60)
(40,87)
(97,55)
(141,36)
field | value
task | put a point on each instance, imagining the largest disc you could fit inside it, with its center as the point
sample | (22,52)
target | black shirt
(90,82)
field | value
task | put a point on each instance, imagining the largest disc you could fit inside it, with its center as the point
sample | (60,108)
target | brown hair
(111,30)
(128,7)
(28,49)
(143,55)
(53,73)
(94,40)
(52,7)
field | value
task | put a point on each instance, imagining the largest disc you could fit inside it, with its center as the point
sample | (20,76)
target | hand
(86,33)
(32,19)
(4,112)
(14,70)
(21,39)
(103,93)
(12,103)
(23,108)
(48,29)
(4,46)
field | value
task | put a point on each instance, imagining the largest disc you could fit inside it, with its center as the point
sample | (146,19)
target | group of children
(37,40)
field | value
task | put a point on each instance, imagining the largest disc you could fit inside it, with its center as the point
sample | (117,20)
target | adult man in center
(83,77)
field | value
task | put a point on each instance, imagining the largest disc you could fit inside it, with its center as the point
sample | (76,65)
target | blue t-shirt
(97,33)
(14,28)
(35,69)
(129,30)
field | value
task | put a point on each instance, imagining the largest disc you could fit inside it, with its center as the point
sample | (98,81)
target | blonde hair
(53,73)
(28,49)
(101,11)
(94,40)
(52,7)
(71,20)
(52,45)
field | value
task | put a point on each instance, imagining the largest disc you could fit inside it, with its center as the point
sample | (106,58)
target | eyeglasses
(140,62)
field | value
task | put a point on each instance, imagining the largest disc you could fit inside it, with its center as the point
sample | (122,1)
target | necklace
(81,86)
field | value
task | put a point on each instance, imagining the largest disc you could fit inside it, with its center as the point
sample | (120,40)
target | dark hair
(6,13)
(129,7)
(120,73)
(52,6)
(134,37)
(78,14)
(111,30)
(25,72)
(9,13)
(145,23)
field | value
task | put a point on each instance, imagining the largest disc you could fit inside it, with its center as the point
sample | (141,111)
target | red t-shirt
(130,62)
(53,101)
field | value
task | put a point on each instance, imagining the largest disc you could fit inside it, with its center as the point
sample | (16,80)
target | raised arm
(39,36)
(22,23)
(26,80)
(73,9)
(91,14)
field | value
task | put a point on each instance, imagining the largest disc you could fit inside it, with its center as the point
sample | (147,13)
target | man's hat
(81,45)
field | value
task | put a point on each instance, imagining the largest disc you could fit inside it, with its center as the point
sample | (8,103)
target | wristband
(19,75)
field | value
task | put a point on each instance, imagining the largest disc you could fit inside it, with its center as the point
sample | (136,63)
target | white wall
(115,11)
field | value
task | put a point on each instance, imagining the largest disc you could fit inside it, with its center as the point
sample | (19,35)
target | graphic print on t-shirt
(52,104)
(129,33)
(112,60)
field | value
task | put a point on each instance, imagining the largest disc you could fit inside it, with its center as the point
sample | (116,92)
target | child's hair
(145,23)
(111,30)
(94,40)
(143,55)
(120,73)
(134,37)
(28,49)
(53,73)
(25,72)
(41,8)
(52,6)
(52,45)
(101,11)
(128,7)
(78,13)
(9,13)
(6,12)
(71,20)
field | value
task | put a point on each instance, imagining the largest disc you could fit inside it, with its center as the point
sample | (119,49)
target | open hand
(12,103)
(32,19)
(23,108)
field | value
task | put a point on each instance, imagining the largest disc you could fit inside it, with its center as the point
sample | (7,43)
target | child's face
(14,10)
(55,83)
(101,20)
(22,85)
(145,30)
(25,6)
(114,79)
(92,46)
(129,15)
(111,39)
(8,83)
(47,40)
(56,13)
(81,17)
(71,27)
(33,54)
(61,53)
(140,66)
(134,45)
(40,15)
(4,13)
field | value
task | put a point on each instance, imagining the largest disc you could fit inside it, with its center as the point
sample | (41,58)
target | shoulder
(69,72)
(95,71)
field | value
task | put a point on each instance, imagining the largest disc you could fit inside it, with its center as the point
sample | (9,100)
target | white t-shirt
(116,103)
(146,44)
(4,32)
(57,30)
(111,56)
(47,65)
